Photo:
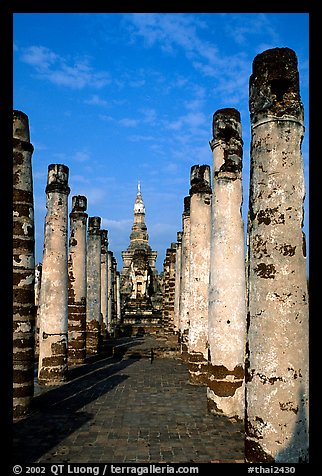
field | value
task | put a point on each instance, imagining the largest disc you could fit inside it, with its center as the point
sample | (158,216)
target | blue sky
(122,97)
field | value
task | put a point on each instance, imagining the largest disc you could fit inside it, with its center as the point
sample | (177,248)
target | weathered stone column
(23,267)
(114,302)
(177,288)
(185,276)
(53,309)
(165,291)
(169,285)
(109,291)
(277,346)
(93,293)
(77,282)
(118,298)
(38,272)
(104,290)
(227,286)
(200,227)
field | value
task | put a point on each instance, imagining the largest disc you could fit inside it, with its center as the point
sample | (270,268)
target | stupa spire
(139,207)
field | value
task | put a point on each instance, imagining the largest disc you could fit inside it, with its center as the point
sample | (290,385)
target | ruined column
(109,291)
(104,287)
(53,309)
(114,302)
(227,286)
(165,291)
(185,275)
(93,291)
(38,271)
(77,282)
(169,285)
(118,298)
(200,214)
(23,267)
(177,288)
(277,344)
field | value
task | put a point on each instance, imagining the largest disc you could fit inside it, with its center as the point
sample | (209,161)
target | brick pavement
(127,408)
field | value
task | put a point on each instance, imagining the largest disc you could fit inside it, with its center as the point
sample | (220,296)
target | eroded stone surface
(53,303)
(23,267)
(277,344)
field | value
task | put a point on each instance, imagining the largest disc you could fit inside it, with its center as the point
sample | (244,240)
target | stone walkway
(127,408)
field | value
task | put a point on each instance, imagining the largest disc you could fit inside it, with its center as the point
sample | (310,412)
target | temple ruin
(139,282)
(239,317)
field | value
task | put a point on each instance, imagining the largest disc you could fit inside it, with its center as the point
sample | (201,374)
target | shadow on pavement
(55,412)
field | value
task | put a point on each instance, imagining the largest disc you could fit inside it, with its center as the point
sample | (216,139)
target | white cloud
(243,28)
(170,31)
(118,225)
(56,69)
(96,100)
(81,156)
(95,195)
(141,138)
(128,122)
(190,121)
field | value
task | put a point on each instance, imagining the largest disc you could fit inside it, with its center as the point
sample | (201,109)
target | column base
(198,369)
(53,359)
(226,391)
(92,338)
(76,333)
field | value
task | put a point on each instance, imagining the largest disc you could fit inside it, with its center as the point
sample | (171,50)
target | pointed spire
(139,205)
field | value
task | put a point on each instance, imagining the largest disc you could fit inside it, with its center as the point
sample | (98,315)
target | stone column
(200,214)
(177,289)
(53,309)
(277,344)
(109,291)
(227,287)
(118,298)
(93,292)
(38,272)
(77,282)
(169,285)
(185,275)
(23,267)
(104,288)
(165,292)
(114,302)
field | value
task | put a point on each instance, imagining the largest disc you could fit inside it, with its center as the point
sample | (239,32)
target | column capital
(58,179)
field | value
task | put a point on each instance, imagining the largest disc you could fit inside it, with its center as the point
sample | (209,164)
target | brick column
(200,213)
(277,344)
(104,278)
(38,272)
(93,292)
(109,291)
(118,298)
(227,288)
(169,285)
(23,267)
(185,275)
(77,282)
(53,309)
(177,289)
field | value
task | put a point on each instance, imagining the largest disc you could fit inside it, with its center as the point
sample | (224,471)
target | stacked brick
(169,267)
(23,267)
(77,282)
